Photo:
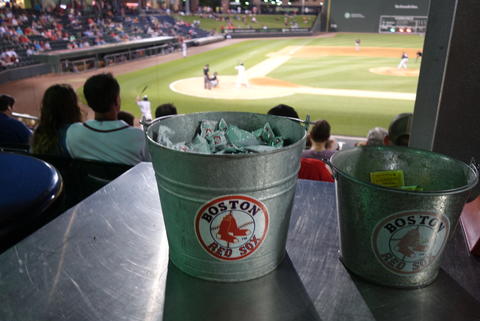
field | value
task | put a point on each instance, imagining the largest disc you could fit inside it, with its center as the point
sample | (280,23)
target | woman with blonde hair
(59,109)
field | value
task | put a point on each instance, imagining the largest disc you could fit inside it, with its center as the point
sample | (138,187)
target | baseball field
(324,77)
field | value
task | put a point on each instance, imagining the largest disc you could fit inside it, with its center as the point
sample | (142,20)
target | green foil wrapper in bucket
(394,236)
(226,215)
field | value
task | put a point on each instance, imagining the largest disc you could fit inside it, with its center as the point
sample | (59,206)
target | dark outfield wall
(364,15)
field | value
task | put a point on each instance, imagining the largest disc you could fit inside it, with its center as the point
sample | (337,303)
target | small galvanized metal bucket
(227,215)
(392,236)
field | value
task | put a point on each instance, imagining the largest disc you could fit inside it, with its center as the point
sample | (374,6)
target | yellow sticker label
(392,178)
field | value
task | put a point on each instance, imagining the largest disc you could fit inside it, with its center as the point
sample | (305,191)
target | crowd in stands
(110,137)
(26,32)
(321,147)
(231,18)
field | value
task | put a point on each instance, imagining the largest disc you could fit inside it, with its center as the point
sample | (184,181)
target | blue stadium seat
(30,189)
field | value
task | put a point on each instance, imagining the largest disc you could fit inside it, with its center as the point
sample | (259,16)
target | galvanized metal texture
(396,237)
(190,183)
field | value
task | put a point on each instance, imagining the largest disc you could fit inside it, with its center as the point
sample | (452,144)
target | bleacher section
(24,34)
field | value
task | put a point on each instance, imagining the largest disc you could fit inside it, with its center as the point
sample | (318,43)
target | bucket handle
(333,168)
(306,123)
(474,164)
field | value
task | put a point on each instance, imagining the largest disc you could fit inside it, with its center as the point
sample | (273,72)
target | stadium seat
(31,193)
(83,177)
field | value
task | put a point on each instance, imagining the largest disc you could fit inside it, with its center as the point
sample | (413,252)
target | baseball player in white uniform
(184,49)
(144,106)
(241,76)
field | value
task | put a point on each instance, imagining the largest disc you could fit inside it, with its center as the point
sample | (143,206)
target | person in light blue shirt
(105,138)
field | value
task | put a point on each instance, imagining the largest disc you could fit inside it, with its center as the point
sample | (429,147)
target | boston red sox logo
(232,227)
(409,242)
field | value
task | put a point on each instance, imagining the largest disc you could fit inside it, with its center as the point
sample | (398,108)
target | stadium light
(401,30)
(409,30)
(392,29)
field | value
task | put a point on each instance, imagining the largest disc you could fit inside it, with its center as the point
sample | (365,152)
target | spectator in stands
(59,110)
(375,137)
(399,130)
(105,138)
(319,137)
(310,168)
(12,131)
(283,110)
(315,169)
(126,117)
(165,110)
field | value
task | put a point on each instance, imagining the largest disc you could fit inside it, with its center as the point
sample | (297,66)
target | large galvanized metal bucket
(227,215)
(391,236)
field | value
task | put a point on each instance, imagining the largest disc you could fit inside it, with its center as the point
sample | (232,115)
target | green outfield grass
(347,115)
(345,73)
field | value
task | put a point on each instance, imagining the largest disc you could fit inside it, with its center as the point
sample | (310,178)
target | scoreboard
(403,24)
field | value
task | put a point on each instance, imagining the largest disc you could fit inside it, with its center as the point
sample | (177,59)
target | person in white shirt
(184,49)
(105,138)
(145,107)
(241,76)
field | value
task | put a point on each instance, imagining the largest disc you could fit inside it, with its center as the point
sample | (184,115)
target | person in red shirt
(315,169)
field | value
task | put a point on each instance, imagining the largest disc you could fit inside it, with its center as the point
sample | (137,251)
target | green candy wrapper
(207,127)
(220,138)
(222,125)
(277,142)
(240,137)
(200,145)
(267,134)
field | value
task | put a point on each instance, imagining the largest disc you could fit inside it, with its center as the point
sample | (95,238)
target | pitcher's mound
(392,71)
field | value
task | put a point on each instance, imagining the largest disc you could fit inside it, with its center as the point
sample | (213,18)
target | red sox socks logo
(232,227)
(409,242)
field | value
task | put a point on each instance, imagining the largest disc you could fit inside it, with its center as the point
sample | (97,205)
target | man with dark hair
(283,110)
(165,110)
(12,131)
(105,138)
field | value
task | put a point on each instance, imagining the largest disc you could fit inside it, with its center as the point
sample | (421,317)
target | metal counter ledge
(107,259)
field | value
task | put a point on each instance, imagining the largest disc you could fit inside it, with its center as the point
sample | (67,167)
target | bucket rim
(456,190)
(148,131)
